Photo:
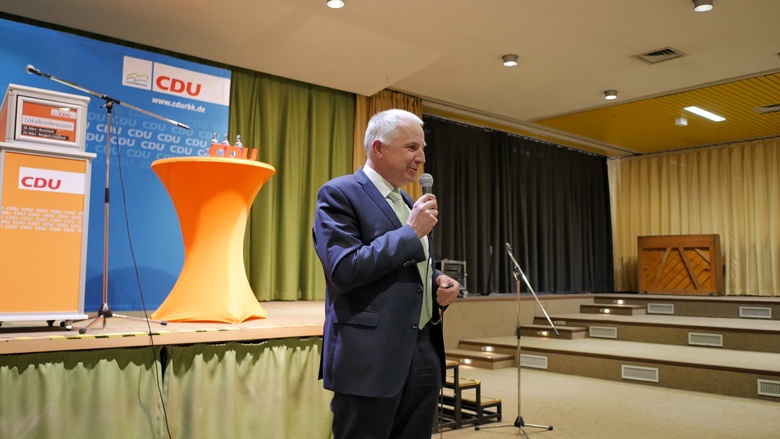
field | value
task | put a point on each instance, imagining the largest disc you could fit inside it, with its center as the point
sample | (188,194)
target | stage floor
(285,319)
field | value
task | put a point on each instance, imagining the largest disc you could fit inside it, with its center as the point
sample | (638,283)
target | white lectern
(44,199)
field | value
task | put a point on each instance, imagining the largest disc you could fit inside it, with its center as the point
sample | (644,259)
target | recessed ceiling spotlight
(704,113)
(702,5)
(335,4)
(509,60)
(610,95)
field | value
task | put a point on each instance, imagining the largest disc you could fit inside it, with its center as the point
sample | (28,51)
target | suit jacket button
(415,325)
(419,288)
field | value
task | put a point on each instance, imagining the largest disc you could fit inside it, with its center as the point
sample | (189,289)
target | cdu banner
(161,107)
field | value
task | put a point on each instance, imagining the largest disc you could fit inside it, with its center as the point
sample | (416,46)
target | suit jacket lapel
(377,197)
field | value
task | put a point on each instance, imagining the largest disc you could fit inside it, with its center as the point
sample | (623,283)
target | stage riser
(481,359)
(682,377)
(469,349)
(544,330)
(613,309)
(723,307)
(702,346)
(736,339)
(694,377)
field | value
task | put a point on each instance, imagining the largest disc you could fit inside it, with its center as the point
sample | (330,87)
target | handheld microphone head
(32,70)
(426,183)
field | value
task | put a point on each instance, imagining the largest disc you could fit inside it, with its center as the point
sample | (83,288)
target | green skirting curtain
(267,390)
(80,394)
(305,132)
(261,390)
(729,190)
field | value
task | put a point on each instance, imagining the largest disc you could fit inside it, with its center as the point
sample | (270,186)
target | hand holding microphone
(425,212)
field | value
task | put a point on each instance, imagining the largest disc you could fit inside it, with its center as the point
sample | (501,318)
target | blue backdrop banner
(145,251)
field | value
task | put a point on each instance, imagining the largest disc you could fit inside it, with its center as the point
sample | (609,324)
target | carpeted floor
(588,408)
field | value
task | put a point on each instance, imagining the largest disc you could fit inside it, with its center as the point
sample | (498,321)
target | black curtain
(550,203)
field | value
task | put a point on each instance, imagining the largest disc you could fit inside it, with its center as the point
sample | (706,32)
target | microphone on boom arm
(31,70)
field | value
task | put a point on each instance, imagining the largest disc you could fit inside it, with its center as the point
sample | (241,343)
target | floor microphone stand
(105,310)
(517,272)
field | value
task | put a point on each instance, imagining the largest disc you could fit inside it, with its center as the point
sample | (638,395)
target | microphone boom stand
(105,310)
(520,423)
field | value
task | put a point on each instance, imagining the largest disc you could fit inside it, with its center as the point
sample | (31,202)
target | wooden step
(481,359)
(544,330)
(463,383)
(471,400)
(614,309)
(475,409)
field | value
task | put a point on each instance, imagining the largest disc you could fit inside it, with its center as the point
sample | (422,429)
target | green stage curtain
(305,132)
(729,190)
(266,390)
(80,394)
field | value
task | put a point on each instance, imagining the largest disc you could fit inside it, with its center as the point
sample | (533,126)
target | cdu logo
(48,180)
(137,73)
(170,80)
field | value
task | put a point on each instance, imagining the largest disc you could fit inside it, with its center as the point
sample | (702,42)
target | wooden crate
(680,264)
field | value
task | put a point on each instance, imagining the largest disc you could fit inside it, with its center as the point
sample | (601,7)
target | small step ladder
(461,401)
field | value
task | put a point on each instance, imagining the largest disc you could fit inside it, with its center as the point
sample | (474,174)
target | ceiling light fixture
(509,60)
(702,5)
(610,95)
(704,113)
(335,4)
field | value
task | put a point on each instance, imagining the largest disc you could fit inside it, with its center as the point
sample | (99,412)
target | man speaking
(383,346)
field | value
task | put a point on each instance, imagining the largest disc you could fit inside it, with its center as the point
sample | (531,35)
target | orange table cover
(212,197)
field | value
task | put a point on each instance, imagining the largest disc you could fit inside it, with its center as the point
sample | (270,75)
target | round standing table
(212,197)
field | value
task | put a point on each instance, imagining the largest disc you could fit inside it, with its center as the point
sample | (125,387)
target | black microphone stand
(520,423)
(105,310)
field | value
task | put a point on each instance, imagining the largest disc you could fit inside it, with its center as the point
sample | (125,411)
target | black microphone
(32,70)
(426,183)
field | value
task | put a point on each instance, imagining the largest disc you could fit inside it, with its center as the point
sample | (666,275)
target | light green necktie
(402,210)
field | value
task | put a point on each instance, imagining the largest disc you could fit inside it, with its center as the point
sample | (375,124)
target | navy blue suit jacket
(374,289)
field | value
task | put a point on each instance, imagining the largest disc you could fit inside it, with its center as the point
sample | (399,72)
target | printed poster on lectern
(191,94)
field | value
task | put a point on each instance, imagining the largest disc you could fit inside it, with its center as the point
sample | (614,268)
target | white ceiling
(449,51)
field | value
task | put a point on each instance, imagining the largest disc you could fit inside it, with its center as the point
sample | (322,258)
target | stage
(465,320)
(285,319)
